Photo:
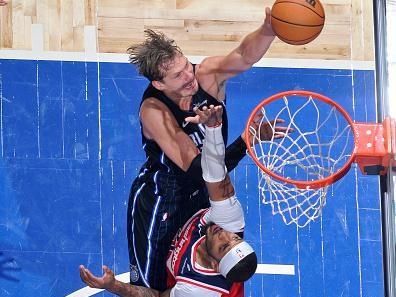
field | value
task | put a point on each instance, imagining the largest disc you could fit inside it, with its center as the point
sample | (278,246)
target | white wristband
(213,152)
(228,214)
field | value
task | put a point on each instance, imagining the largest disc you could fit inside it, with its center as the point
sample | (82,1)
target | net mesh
(319,143)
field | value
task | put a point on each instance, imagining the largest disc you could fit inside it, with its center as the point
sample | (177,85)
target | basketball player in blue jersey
(169,188)
(208,256)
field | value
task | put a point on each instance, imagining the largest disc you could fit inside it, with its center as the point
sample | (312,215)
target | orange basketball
(297,21)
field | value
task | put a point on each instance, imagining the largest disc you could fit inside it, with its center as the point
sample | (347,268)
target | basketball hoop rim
(315,184)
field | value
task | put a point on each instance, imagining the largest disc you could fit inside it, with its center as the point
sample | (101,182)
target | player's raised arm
(250,51)
(214,170)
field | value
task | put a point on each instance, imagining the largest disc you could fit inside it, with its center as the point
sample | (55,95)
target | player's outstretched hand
(106,281)
(264,131)
(210,117)
(267,23)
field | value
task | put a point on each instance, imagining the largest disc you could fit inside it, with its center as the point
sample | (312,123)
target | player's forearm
(234,153)
(213,152)
(255,45)
(128,290)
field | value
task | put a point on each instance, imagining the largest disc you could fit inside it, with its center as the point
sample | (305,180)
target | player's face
(180,78)
(219,241)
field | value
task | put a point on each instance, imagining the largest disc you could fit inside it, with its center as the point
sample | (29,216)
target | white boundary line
(261,269)
(87,291)
(275,269)
(91,56)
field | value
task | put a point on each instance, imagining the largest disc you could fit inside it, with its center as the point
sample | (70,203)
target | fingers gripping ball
(297,21)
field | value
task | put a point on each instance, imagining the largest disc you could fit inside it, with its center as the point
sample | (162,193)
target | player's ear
(158,85)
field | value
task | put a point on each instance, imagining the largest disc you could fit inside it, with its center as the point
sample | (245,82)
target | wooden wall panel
(200,27)
(18,21)
(6,26)
(54,24)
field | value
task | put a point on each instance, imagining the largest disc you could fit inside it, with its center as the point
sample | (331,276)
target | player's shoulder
(152,104)
(209,65)
(154,108)
(208,76)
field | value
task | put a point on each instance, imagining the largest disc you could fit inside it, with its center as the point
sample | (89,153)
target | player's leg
(148,238)
(155,213)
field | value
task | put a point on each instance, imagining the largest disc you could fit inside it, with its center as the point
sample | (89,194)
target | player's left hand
(3,2)
(265,131)
(267,23)
(210,117)
(104,282)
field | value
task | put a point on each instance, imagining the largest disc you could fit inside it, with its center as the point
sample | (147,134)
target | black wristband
(235,153)
(195,170)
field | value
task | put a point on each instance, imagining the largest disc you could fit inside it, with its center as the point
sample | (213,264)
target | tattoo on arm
(128,290)
(145,292)
(221,190)
(226,187)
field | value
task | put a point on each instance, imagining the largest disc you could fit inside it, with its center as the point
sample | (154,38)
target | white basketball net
(320,144)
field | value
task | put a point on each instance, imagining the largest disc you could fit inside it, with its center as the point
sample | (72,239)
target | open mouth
(190,85)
